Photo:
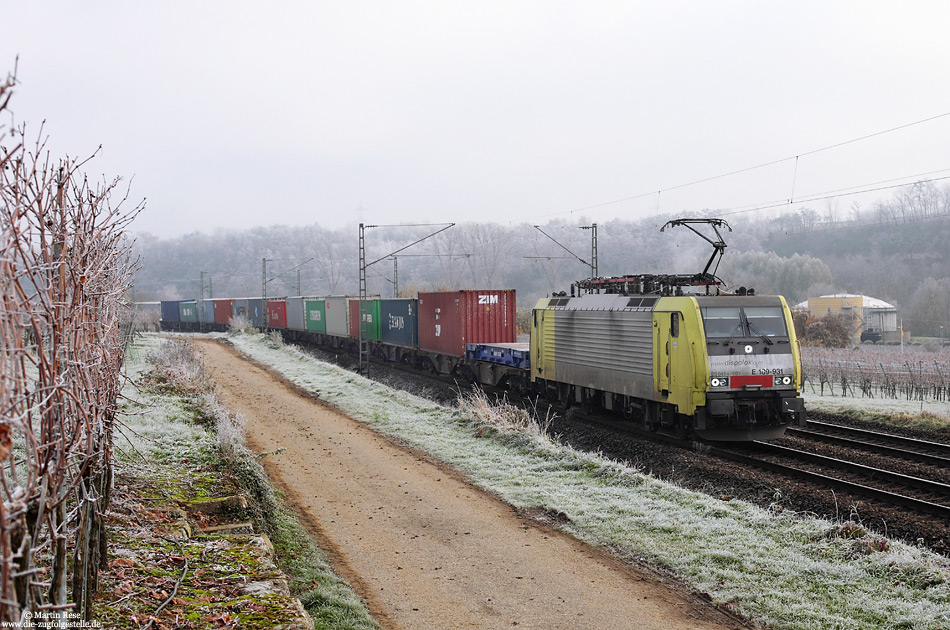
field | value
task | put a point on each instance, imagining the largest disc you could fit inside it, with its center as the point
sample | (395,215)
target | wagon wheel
(629,413)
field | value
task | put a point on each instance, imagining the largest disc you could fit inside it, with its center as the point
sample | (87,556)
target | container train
(709,365)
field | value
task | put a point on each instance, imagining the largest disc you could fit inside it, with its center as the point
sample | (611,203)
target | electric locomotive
(721,367)
(673,351)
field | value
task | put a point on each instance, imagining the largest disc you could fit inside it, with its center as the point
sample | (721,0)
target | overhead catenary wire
(839,192)
(835,196)
(795,157)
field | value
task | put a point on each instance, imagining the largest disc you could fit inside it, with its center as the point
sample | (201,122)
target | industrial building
(872,319)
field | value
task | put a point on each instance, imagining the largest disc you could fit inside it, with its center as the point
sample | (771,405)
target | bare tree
(330,257)
(489,248)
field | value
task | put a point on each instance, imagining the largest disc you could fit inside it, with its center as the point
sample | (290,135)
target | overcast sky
(235,114)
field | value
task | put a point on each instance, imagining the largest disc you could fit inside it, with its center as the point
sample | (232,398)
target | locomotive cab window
(721,321)
(747,321)
(766,320)
(674,324)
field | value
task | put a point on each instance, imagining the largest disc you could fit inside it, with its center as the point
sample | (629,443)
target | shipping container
(257,312)
(315,313)
(398,324)
(366,316)
(450,319)
(223,311)
(295,319)
(206,311)
(170,311)
(277,313)
(240,308)
(188,311)
(338,316)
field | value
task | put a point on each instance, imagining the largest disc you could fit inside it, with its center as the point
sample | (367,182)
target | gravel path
(422,546)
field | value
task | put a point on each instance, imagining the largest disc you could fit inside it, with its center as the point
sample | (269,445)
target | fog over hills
(895,250)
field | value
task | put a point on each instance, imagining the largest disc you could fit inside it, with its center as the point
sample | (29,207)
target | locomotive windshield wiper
(755,331)
(734,331)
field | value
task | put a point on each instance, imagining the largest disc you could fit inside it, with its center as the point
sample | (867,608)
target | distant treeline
(896,251)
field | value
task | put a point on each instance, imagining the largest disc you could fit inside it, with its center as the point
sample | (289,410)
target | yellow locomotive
(673,351)
(723,367)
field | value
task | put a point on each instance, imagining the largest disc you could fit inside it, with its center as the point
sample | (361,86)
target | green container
(315,315)
(369,324)
(188,311)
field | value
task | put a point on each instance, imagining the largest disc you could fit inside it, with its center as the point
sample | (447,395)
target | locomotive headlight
(717,382)
(786,380)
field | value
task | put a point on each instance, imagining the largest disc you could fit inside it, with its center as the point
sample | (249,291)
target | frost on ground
(782,570)
(176,437)
(837,404)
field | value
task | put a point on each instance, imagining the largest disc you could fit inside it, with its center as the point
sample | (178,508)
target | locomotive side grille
(622,342)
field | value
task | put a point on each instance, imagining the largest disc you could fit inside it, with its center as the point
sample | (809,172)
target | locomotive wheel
(682,429)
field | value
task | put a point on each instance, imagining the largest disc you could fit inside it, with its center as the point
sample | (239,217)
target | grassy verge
(927,415)
(780,569)
(178,446)
(924,420)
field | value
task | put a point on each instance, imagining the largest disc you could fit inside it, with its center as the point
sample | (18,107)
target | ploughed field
(715,476)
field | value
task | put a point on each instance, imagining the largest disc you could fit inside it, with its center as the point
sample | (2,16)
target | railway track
(922,451)
(921,495)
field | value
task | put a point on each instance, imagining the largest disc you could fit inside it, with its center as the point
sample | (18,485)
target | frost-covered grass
(154,425)
(782,570)
(185,436)
(930,415)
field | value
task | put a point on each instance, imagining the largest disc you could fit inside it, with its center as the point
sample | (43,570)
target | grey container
(257,312)
(240,308)
(295,320)
(338,316)
(398,320)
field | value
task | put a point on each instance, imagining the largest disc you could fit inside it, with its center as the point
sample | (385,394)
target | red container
(277,313)
(450,319)
(223,311)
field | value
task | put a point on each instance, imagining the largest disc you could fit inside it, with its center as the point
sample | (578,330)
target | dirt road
(424,548)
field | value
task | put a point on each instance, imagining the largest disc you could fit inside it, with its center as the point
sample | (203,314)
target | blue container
(170,311)
(399,322)
(514,354)
(206,311)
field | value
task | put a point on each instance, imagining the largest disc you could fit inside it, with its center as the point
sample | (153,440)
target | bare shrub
(65,266)
(502,416)
(177,361)
(241,325)
(830,331)
(275,340)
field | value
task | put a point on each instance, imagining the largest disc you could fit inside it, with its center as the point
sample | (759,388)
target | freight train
(703,364)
